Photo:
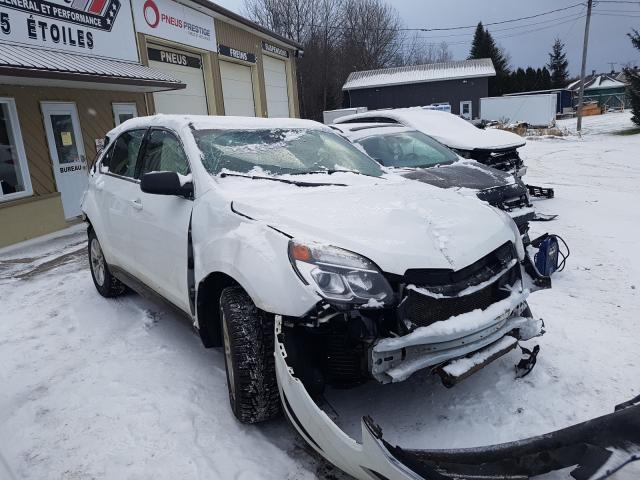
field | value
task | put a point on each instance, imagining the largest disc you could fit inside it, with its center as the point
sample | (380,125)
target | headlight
(340,276)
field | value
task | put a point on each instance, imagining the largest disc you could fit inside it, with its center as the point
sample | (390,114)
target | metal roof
(430,72)
(21,61)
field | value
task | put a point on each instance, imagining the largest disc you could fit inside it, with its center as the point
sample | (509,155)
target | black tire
(249,357)
(106,284)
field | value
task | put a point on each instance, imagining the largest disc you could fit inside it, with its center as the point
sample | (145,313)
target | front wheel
(106,284)
(249,357)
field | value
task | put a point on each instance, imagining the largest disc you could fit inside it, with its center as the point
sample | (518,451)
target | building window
(14,173)
(123,112)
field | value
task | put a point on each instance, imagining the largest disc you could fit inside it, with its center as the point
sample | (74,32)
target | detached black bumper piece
(589,446)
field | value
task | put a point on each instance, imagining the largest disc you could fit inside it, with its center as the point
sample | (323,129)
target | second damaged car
(291,249)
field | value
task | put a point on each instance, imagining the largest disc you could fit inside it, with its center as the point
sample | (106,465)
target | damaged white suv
(289,247)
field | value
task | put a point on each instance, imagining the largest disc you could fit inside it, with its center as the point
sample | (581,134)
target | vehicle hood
(463,174)
(475,138)
(396,224)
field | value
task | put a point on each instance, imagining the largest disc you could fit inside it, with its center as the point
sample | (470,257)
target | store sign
(237,54)
(173,21)
(173,58)
(267,47)
(96,27)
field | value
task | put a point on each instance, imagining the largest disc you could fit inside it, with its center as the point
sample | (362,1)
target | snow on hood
(447,128)
(398,224)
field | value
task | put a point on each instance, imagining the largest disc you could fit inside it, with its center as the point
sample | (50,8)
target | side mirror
(166,183)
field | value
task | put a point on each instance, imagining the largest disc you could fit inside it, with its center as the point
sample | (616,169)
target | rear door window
(124,155)
(164,153)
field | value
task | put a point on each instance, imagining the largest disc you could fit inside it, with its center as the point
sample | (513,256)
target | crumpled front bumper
(395,359)
(595,446)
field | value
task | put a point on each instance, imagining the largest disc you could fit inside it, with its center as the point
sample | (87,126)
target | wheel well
(208,307)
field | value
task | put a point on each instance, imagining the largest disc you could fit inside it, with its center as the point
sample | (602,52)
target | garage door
(275,82)
(237,89)
(186,68)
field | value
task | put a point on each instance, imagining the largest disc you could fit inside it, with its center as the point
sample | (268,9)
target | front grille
(450,282)
(419,309)
(423,310)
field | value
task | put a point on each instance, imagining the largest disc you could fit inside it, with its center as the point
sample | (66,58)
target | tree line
(554,74)
(344,36)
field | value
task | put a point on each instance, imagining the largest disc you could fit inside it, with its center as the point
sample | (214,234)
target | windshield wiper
(330,171)
(282,180)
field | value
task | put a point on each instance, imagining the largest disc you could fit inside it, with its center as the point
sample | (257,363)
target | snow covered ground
(122,389)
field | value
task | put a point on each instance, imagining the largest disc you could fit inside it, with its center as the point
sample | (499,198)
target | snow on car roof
(453,131)
(357,131)
(215,122)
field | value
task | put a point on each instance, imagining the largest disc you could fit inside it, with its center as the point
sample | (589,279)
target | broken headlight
(340,276)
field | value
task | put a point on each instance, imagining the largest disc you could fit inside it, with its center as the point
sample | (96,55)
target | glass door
(465,110)
(67,154)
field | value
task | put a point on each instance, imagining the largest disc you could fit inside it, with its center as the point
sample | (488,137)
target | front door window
(67,154)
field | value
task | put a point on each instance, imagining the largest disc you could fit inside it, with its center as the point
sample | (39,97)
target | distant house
(461,84)
(608,89)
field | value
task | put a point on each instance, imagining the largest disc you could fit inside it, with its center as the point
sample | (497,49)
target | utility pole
(584,63)
(613,66)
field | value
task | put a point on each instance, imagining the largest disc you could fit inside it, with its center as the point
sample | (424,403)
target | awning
(36,66)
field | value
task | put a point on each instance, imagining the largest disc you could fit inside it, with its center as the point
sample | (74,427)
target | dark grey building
(461,84)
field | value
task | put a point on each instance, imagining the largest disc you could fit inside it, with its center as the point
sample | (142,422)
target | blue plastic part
(546,259)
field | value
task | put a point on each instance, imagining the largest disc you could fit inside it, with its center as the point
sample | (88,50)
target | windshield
(407,149)
(280,151)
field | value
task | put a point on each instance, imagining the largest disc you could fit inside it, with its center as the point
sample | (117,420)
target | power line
(440,29)
(501,22)
(497,37)
(572,16)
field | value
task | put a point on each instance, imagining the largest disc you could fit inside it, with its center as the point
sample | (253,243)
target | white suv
(289,247)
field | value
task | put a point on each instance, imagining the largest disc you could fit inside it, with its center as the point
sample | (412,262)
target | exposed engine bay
(437,318)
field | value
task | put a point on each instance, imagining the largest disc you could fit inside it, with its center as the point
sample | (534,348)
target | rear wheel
(249,357)
(106,284)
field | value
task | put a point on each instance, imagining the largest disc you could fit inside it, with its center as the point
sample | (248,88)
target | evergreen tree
(477,45)
(483,46)
(633,81)
(558,64)
(545,79)
(530,79)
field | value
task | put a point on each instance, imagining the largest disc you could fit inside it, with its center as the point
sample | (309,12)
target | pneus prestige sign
(96,27)
(176,22)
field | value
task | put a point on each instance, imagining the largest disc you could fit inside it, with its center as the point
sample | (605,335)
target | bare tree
(418,51)
(339,37)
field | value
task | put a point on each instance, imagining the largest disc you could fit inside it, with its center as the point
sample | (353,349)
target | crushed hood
(473,138)
(396,224)
(463,174)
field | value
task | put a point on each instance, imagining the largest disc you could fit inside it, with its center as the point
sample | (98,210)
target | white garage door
(275,82)
(237,89)
(184,67)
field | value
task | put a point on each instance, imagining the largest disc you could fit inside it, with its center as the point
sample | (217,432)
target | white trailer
(535,110)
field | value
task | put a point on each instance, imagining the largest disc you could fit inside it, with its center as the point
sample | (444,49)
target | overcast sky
(529,41)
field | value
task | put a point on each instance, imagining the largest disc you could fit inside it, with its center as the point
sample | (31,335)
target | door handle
(137,204)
